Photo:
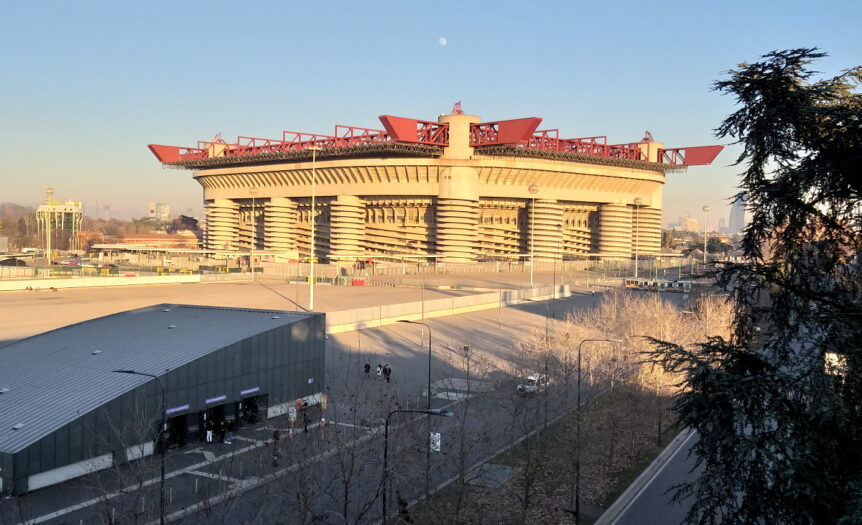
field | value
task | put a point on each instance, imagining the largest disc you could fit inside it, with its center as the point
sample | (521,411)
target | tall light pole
(577,495)
(314,150)
(159,440)
(429,354)
(253,191)
(638,202)
(533,189)
(385,478)
(427,407)
(705,211)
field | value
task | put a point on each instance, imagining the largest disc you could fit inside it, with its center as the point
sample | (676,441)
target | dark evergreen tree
(778,407)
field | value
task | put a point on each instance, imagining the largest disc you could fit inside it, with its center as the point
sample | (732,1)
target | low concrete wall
(372,317)
(81,282)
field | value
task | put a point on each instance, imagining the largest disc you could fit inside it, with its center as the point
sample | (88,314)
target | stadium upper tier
(458,189)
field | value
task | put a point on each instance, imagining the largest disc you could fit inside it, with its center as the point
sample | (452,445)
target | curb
(622,503)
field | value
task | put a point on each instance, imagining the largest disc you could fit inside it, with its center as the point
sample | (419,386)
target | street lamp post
(427,407)
(638,202)
(577,495)
(314,150)
(385,478)
(705,235)
(253,191)
(159,440)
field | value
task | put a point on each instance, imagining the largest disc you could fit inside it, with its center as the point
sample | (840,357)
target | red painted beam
(694,156)
(414,131)
(165,153)
(515,131)
(168,154)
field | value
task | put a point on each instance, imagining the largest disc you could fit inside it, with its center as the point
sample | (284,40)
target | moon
(442,41)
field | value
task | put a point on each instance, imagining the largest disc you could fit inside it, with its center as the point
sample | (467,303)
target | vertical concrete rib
(347,223)
(544,223)
(222,224)
(279,224)
(615,229)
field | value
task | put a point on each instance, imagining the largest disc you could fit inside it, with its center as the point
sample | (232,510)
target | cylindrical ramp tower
(615,230)
(347,226)
(280,225)
(222,224)
(648,230)
(545,229)
(457,229)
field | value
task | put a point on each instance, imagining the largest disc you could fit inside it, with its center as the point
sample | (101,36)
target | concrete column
(459,136)
(650,150)
(457,210)
(222,224)
(347,226)
(279,225)
(615,229)
(457,214)
(544,227)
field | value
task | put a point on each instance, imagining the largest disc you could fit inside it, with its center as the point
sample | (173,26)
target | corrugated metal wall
(279,362)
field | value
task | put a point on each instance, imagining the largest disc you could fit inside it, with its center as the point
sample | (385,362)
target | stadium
(456,190)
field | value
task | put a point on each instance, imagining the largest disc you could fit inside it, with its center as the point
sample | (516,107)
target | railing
(398,129)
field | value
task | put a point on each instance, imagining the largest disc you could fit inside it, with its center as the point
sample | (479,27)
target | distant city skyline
(87,86)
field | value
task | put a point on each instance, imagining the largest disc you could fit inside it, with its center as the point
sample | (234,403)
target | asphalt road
(649,502)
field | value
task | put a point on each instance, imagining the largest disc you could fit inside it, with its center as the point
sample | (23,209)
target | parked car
(533,384)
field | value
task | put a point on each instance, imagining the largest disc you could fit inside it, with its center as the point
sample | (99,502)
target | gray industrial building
(65,411)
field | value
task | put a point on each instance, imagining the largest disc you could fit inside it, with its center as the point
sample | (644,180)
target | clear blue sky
(85,86)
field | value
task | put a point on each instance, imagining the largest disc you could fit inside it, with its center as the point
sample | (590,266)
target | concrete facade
(460,205)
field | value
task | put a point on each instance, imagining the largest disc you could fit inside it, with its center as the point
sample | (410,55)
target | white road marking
(349,425)
(250,440)
(625,509)
(213,476)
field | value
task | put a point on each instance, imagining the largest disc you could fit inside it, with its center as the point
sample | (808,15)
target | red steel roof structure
(516,136)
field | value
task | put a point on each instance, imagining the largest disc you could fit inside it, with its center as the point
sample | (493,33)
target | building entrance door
(178,428)
(250,408)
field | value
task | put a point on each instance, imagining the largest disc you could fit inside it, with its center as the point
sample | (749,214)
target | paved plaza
(492,335)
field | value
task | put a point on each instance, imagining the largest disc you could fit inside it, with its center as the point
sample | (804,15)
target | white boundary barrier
(374,316)
(84,282)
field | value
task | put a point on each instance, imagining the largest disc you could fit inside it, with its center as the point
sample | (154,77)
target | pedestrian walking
(229,436)
(276,454)
(305,421)
(379,369)
(387,372)
(403,513)
(209,428)
(367,369)
(222,430)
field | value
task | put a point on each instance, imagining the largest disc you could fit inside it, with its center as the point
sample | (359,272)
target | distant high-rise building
(737,216)
(159,210)
(722,225)
(53,216)
(691,225)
